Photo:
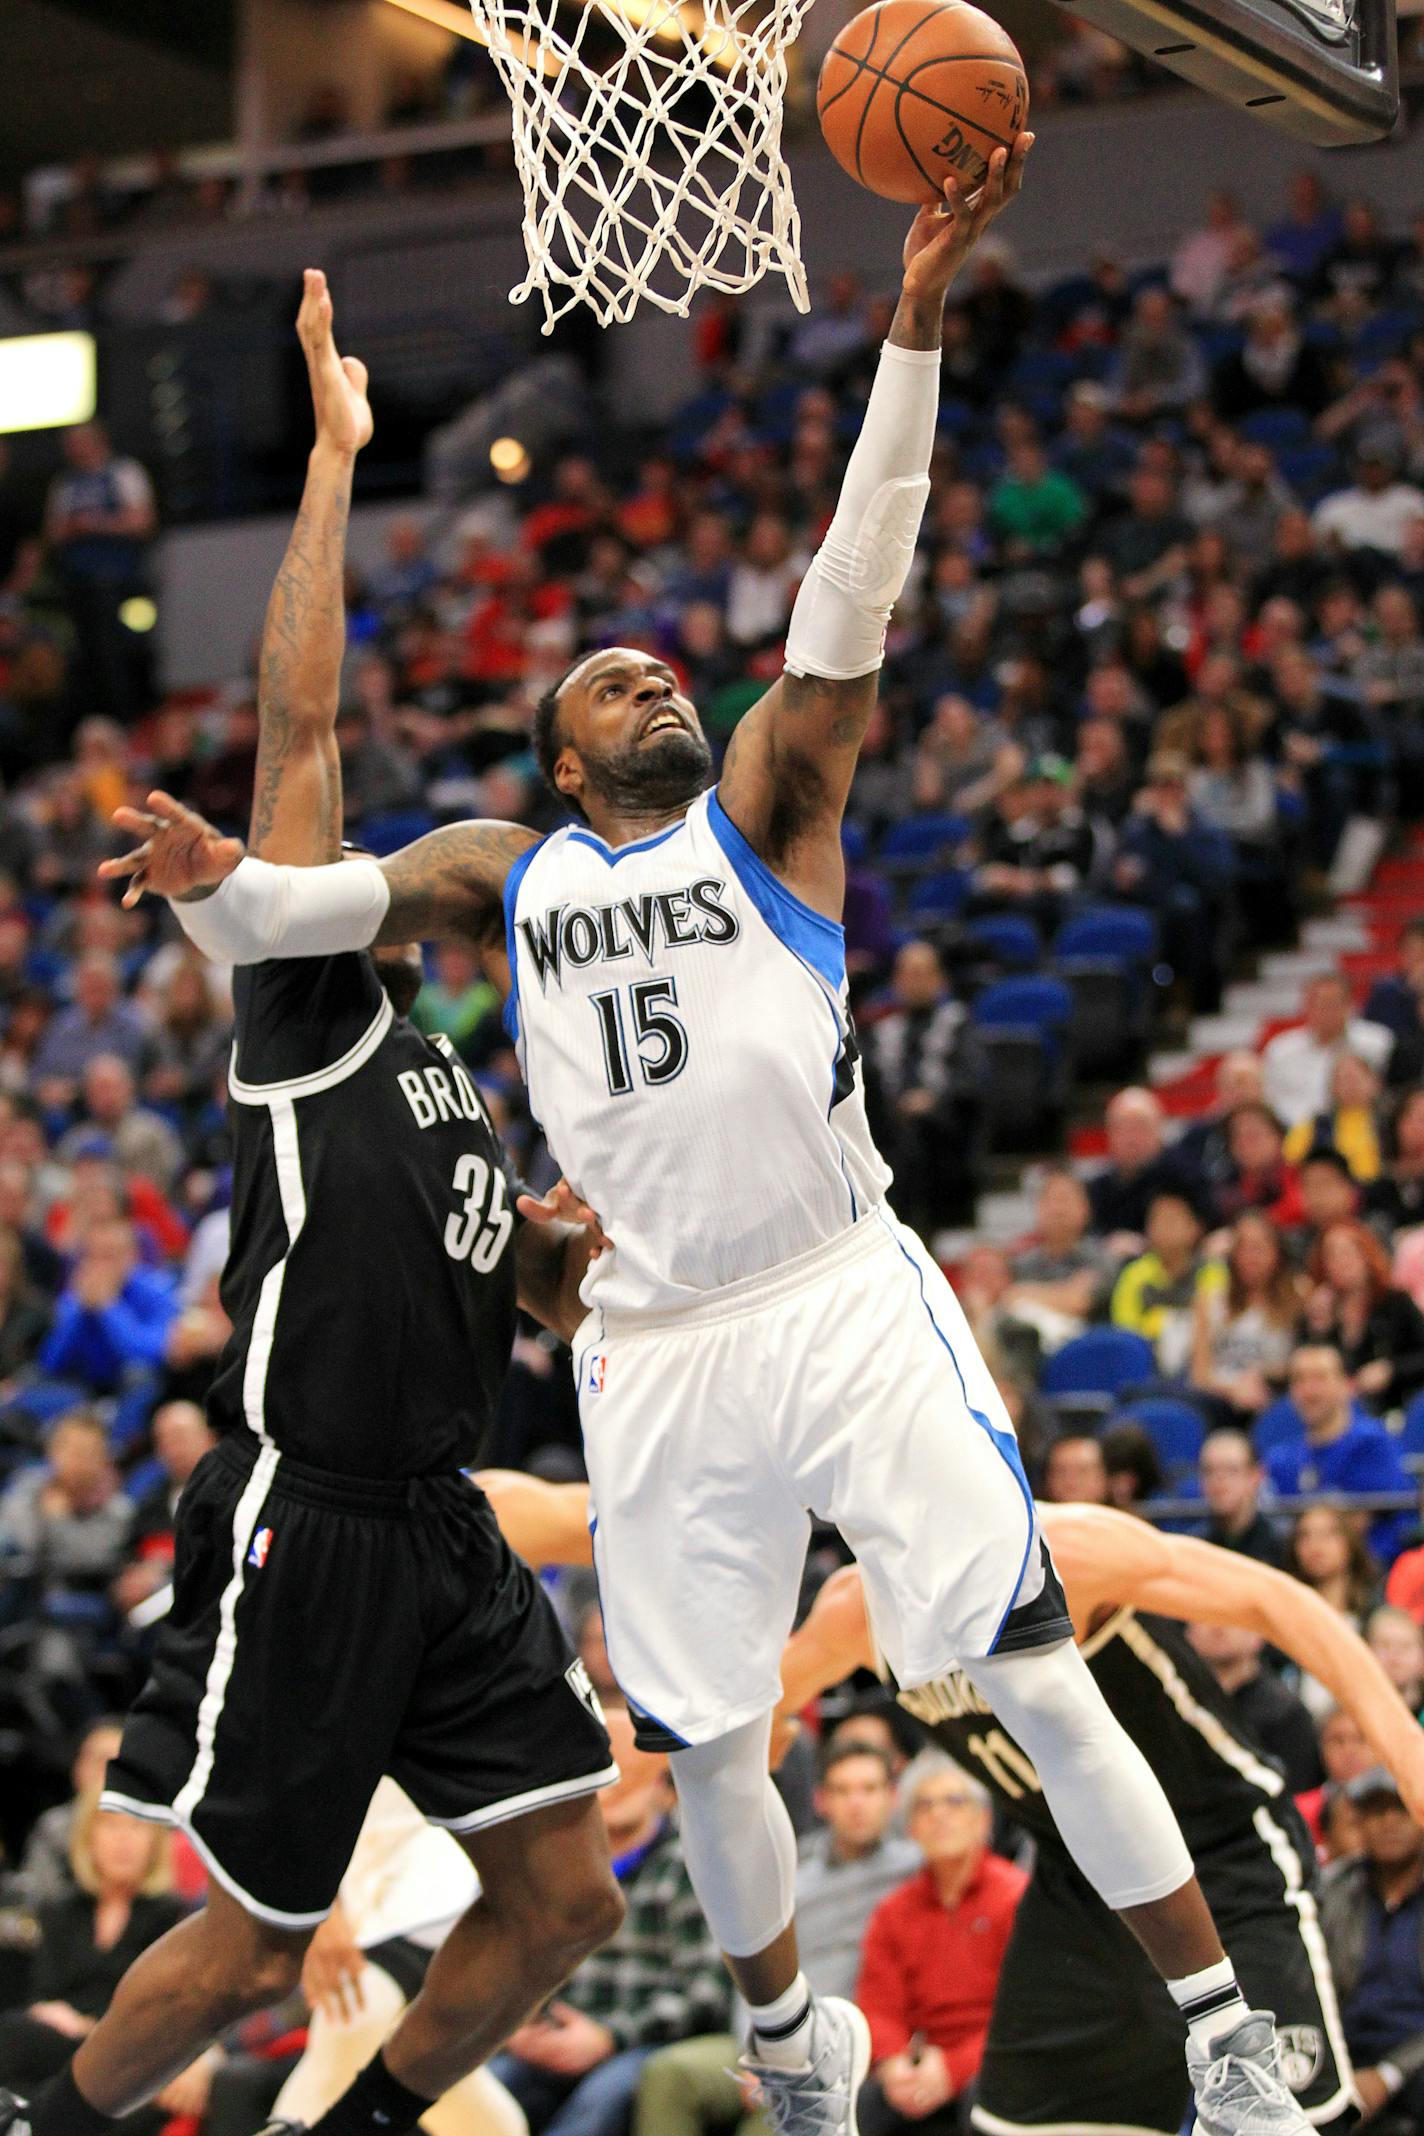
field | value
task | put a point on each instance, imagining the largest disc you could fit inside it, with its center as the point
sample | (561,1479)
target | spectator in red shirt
(932,1956)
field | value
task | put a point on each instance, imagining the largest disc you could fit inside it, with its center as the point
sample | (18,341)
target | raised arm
(1109,1560)
(296,798)
(790,763)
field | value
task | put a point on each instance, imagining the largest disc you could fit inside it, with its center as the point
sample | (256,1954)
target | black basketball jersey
(371,1277)
(1213,1773)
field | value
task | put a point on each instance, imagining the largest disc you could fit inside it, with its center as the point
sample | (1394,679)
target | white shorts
(845,1383)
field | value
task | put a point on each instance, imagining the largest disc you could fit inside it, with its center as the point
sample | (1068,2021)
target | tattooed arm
(296,800)
(788,771)
(241,910)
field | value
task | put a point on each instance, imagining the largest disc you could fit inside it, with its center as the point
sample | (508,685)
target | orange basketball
(914,89)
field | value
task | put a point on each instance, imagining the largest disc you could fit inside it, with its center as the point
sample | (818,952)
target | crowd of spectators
(1162,655)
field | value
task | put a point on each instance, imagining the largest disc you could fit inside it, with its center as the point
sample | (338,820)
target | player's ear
(568,773)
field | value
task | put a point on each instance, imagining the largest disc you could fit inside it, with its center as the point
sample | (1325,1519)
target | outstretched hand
(562,1206)
(338,383)
(942,237)
(179,852)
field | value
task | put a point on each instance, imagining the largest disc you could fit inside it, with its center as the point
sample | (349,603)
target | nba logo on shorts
(261,1544)
(597,1366)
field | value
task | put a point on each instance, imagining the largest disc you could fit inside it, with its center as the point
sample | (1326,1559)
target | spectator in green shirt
(459,1001)
(1033,507)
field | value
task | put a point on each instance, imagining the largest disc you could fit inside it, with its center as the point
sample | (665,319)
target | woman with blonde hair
(88,1941)
(1242,1337)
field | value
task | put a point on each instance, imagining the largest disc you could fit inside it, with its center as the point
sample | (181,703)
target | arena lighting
(46,381)
(138,613)
(445,15)
(509,459)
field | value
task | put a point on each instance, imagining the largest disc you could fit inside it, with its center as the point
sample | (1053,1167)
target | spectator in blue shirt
(1340,1447)
(1372,1911)
(99,1022)
(113,1317)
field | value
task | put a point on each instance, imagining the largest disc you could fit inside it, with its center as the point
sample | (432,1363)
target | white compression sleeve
(737,1838)
(838,623)
(1105,1798)
(265,911)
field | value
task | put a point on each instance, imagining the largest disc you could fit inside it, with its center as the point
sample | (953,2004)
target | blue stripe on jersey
(511,894)
(613,854)
(1005,1441)
(816,940)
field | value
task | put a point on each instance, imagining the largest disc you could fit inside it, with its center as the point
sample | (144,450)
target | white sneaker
(14,2114)
(819,2100)
(1239,2087)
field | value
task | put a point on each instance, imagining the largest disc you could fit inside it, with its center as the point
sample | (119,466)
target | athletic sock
(377,2104)
(781,2030)
(1210,2001)
(61,2109)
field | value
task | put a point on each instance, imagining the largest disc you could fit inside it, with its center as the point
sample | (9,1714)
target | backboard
(1324,70)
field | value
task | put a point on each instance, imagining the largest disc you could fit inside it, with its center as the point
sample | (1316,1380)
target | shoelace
(1232,2070)
(795,2101)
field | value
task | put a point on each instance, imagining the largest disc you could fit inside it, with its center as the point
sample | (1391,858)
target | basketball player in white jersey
(764,1340)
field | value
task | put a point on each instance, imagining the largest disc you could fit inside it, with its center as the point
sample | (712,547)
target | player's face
(632,742)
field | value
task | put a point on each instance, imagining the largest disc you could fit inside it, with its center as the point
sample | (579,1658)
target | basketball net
(647,136)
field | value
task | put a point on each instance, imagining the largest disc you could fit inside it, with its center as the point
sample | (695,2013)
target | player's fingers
(356,371)
(135,890)
(120,864)
(991,193)
(536,1209)
(136,820)
(1018,160)
(169,811)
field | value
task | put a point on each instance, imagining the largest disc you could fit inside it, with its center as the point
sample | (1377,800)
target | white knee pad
(1106,1800)
(737,1838)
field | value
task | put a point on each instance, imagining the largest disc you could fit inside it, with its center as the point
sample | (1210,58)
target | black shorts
(1085,2037)
(325,1631)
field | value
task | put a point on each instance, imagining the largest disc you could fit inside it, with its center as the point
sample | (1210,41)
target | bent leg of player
(935,1504)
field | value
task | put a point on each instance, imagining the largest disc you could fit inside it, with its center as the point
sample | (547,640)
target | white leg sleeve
(264,911)
(737,1838)
(1105,1798)
(838,624)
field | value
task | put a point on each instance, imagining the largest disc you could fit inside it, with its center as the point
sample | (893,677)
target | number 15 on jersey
(641,1035)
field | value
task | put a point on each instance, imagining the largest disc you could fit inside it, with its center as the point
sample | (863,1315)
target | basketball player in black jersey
(344,1604)
(1084,2036)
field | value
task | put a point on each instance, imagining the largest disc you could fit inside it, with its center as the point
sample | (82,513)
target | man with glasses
(932,1955)
(1373,1916)
(1232,1480)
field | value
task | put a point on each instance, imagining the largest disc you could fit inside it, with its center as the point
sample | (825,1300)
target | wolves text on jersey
(579,935)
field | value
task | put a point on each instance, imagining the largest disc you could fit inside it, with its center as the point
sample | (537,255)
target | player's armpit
(544,1523)
(452,883)
(787,774)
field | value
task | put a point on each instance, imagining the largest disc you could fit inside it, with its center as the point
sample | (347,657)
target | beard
(667,773)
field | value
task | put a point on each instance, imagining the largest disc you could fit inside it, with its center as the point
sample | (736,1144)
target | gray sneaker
(819,2100)
(14,2114)
(1239,2088)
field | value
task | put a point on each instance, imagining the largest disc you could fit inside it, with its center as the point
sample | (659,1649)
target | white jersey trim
(307,1086)
(286,1154)
(1139,1641)
(1301,1900)
(158,1813)
(519,1805)
(244,1521)
(995,2125)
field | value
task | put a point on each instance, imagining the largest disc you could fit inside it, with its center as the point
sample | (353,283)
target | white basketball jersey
(682,1026)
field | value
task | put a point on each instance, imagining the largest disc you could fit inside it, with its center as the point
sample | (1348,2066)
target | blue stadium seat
(1125,931)
(1275,1425)
(1009,939)
(921,839)
(1411,1434)
(1309,469)
(1175,1428)
(942,896)
(388,833)
(1276,427)
(1031,1003)
(1100,1362)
